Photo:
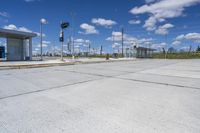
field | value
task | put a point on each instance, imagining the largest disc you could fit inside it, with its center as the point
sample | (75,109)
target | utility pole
(42,21)
(122,42)
(166,51)
(73,32)
(69,45)
(41,52)
(113,41)
(89,45)
(101,51)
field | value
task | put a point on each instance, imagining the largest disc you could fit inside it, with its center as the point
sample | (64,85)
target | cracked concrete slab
(120,97)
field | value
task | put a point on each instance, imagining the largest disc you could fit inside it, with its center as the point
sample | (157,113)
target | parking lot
(141,96)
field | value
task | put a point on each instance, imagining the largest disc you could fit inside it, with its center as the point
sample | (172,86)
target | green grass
(186,55)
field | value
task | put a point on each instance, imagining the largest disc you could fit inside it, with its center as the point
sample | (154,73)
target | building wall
(15,50)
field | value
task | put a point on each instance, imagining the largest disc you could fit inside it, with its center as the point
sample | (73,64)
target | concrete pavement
(143,96)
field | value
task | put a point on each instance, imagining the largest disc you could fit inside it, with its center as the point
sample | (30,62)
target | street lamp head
(43,21)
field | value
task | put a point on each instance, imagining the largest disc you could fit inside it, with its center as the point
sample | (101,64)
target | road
(143,96)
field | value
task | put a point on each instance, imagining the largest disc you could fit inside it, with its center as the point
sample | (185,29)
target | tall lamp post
(122,42)
(42,21)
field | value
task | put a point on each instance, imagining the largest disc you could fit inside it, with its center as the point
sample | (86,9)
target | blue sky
(145,22)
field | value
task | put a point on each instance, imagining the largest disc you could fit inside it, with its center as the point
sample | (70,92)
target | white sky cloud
(134,22)
(103,22)
(23,29)
(159,45)
(88,29)
(128,39)
(14,27)
(46,42)
(10,27)
(150,24)
(176,43)
(180,37)
(81,41)
(164,30)
(43,45)
(162,9)
(195,37)
(4,14)
(192,36)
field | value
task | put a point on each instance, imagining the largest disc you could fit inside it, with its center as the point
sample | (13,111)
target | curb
(10,67)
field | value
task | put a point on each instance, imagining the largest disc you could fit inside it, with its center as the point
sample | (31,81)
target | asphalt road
(144,96)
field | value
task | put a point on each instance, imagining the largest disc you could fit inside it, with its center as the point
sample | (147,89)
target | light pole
(72,14)
(122,42)
(42,21)
(166,51)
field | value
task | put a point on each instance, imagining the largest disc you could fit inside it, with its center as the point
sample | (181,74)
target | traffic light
(61,36)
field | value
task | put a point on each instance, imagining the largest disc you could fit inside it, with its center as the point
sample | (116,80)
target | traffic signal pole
(63,26)
(62,43)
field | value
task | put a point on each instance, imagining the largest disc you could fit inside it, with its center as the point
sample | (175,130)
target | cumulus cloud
(134,22)
(150,23)
(45,44)
(176,43)
(117,36)
(162,9)
(116,45)
(159,45)
(164,30)
(14,27)
(88,29)
(103,22)
(145,40)
(195,37)
(81,41)
(180,37)
(39,34)
(10,27)
(128,39)
(23,29)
